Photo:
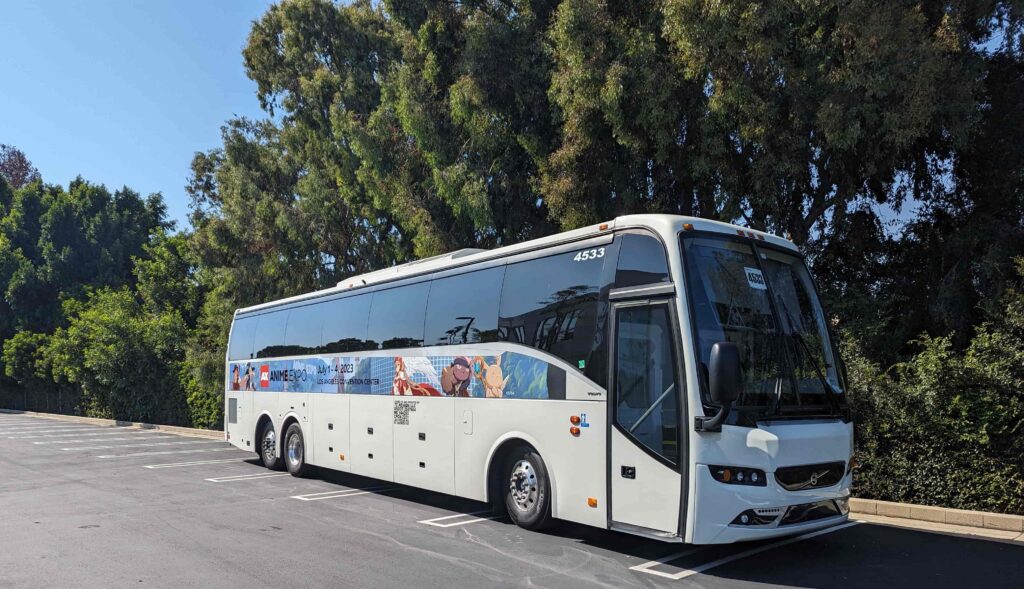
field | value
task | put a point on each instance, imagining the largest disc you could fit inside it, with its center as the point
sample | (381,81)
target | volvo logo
(813,481)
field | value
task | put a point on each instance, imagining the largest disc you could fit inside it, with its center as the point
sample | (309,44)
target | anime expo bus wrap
(664,376)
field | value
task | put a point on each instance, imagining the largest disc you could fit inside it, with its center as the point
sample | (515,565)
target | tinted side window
(396,317)
(551,304)
(240,346)
(463,309)
(269,340)
(344,323)
(303,333)
(641,260)
(645,387)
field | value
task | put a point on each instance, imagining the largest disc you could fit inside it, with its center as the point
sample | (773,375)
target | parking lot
(102,506)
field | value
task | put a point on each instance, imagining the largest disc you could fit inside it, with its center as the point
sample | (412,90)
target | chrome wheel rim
(269,444)
(523,486)
(294,449)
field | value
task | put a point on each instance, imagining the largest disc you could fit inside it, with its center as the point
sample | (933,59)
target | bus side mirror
(725,384)
(725,376)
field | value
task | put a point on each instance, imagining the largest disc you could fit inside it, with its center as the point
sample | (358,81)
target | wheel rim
(269,444)
(294,449)
(523,485)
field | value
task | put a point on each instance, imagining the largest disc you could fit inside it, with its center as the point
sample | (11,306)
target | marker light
(574,430)
(687,226)
(575,420)
(592,501)
(602,226)
(341,457)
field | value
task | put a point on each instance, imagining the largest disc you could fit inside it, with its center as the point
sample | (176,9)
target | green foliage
(125,359)
(944,427)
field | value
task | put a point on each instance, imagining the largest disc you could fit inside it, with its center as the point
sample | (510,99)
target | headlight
(735,475)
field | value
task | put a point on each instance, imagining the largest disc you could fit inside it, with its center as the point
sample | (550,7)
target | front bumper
(785,513)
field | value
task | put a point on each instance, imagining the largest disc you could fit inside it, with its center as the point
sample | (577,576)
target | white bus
(665,376)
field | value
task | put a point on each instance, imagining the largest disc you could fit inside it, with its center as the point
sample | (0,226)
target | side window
(269,340)
(551,304)
(303,333)
(396,317)
(641,260)
(463,309)
(344,322)
(646,394)
(240,346)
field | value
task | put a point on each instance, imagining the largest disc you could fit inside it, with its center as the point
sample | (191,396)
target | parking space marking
(248,477)
(46,429)
(192,463)
(138,445)
(435,521)
(82,435)
(65,433)
(340,494)
(104,440)
(647,566)
(166,452)
(12,428)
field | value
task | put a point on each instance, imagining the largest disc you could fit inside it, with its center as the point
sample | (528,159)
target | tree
(15,167)
(124,358)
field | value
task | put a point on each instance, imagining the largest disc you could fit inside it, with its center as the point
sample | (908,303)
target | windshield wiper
(827,387)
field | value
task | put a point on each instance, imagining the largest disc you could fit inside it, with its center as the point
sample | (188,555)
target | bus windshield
(763,300)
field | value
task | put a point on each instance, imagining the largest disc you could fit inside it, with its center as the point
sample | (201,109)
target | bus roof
(662,224)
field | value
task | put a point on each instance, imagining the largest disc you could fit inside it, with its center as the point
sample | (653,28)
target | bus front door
(645,458)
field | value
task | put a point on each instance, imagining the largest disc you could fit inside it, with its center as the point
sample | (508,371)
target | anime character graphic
(403,384)
(455,379)
(236,380)
(491,376)
(249,379)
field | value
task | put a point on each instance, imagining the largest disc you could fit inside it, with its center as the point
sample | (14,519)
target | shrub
(946,428)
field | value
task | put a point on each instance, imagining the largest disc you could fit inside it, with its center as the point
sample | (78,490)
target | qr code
(402,410)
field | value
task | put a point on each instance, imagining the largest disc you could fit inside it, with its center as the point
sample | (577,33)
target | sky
(121,92)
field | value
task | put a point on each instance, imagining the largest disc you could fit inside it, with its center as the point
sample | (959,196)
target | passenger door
(645,452)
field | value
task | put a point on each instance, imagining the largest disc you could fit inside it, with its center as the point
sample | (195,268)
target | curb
(939,515)
(171,429)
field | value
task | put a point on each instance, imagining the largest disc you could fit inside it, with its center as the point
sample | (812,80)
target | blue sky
(123,92)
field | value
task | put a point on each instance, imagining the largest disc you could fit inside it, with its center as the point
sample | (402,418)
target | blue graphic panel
(504,375)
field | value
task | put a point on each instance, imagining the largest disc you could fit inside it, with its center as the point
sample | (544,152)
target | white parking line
(96,440)
(45,428)
(247,477)
(473,520)
(165,452)
(58,432)
(341,493)
(646,567)
(192,463)
(139,445)
(137,432)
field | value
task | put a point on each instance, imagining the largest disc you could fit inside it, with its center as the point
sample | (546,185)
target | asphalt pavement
(104,506)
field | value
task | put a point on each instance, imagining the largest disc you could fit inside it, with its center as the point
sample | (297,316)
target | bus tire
(527,489)
(268,448)
(295,451)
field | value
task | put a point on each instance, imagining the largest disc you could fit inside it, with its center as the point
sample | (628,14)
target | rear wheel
(268,448)
(295,451)
(527,490)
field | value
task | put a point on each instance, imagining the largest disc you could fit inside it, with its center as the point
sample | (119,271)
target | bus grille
(810,476)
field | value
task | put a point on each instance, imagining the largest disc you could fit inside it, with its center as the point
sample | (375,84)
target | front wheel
(268,448)
(528,490)
(295,451)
